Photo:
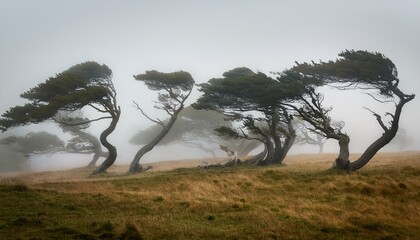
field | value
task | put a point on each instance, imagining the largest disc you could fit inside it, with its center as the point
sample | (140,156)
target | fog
(206,38)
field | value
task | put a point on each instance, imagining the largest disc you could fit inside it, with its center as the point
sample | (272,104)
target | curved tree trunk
(257,158)
(135,166)
(112,150)
(343,162)
(97,148)
(270,154)
(95,158)
(388,135)
(246,146)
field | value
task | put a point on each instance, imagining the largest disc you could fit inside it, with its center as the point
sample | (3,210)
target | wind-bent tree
(35,143)
(372,72)
(16,150)
(195,129)
(251,98)
(304,135)
(82,141)
(173,90)
(84,85)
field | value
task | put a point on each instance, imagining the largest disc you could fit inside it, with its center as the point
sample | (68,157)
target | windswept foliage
(173,90)
(354,69)
(251,98)
(84,85)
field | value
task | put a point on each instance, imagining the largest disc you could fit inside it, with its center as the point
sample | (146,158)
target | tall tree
(249,98)
(353,70)
(173,90)
(84,85)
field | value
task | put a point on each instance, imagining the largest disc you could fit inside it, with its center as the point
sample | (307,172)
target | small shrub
(184,204)
(210,217)
(366,190)
(18,188)
(158,199)
(131,232)
(402,186)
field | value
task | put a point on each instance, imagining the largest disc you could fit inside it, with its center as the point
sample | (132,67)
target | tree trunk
(95,158)
(257,158)
(342,162)
(288,143)
(320,144)
(270,154)
(96,146)
(135,166)
(112,150)
(321,148)
(246,146)
(386,137)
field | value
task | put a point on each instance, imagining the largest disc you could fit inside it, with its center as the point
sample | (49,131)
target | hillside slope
(299,200)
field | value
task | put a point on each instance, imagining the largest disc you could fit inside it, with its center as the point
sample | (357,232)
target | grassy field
(298,200)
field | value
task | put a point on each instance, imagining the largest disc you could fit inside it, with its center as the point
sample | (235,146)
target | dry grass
(299,200)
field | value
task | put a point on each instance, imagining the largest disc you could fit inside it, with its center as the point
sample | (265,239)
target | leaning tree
(372,72)
(84,85)
(173,90)
(195,129)
(251,98)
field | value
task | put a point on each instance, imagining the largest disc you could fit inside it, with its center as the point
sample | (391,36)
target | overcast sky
(41,38)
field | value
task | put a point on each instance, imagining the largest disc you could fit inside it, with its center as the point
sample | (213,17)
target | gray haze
(41,38)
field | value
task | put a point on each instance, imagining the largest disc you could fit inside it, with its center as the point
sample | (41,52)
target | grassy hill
(298,200)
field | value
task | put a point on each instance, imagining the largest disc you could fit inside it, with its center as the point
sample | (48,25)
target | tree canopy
(250,98)
(86,84)
(354,69)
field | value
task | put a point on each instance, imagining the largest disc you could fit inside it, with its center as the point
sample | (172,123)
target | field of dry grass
(298,200)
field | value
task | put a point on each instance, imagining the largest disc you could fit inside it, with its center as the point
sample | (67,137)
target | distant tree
(82,141)
(304,135)
(402,139)
(84,85)
(251,98)
(35,143)
(16,150)
(173,90)
(353,70)
(11,160)
(195,129)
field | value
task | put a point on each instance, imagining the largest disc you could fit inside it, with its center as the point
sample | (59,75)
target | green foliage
(156,81)
(227,132)
(82,84)
(34,142)
(354,68)
(240,89)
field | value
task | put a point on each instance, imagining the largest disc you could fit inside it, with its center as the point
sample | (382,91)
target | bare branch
(136,105)
(378,100)
(378,118)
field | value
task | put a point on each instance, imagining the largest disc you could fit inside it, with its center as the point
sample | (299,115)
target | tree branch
(379,119)
(136,105)
(80,123)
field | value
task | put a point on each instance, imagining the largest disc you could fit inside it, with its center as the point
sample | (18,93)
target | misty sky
(41,38)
